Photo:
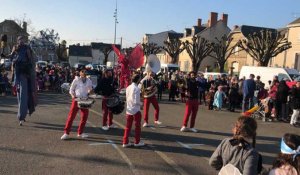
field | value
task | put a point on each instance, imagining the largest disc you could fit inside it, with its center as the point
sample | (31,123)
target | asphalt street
(36,148)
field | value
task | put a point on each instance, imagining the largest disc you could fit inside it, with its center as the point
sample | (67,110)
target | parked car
(214,75)
(79,65)
(6,63)
(64,64)
(42,64)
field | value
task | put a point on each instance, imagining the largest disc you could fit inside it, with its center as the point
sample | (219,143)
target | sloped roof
(297,21)
(19,28)
(81,51)
(247,30)
(101,46)
(159,38)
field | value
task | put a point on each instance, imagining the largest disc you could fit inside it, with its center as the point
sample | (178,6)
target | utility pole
(116,22)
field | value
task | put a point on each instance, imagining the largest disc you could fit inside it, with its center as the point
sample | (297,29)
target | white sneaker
(158,122)
(64,137)
(113,126)
(183,129)
(105,128)
(145,124)
(139,144)
(83,135)
(127,145)
(193,130)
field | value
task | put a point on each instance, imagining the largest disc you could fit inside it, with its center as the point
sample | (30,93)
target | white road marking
(96,144)
(184,145)
(168,160)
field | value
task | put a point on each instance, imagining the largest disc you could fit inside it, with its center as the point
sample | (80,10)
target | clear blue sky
(83,21)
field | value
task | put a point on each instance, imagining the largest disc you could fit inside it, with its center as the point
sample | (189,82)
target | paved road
(36,148)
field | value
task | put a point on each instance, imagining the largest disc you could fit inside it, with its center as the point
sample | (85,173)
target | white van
(267,73)
(169,67)
(214,75)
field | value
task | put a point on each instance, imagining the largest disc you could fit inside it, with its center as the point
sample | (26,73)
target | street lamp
(116,22)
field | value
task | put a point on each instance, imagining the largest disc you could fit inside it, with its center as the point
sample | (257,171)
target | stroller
(260,110)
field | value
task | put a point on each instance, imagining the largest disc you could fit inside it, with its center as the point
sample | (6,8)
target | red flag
(118,53)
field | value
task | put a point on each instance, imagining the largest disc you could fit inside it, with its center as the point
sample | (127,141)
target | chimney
(225,18)
(199,22)
(213,19)
(25,26)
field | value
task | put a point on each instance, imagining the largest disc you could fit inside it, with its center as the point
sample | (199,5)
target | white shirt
(133,100)
(80,89)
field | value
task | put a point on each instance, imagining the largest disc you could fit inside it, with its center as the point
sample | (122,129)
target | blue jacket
(249,87)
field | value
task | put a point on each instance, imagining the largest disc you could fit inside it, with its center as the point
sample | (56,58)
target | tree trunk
(105,59)
(221,67)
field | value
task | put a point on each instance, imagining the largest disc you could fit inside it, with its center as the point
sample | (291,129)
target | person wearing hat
(23,78)
(80,88)
(148,85)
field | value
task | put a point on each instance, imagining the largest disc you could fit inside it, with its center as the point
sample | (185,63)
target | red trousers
(106,113)
(154,102)
(191,106)
(72,114)
(137,119)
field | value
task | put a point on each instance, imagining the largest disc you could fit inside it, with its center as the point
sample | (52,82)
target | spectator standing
(248,93)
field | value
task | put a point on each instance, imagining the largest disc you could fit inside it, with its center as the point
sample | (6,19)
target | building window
(236,50)
(186,66)
(5,29)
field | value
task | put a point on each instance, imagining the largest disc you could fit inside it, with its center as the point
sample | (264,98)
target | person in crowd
(182,88)
(262,93)
(288,160)
(160,87)
(24,80)
(133,101)
(272,105)
(239,150)
(233,94)
(192,104)
(210,97)
(146,85)
(219,98)
(248,93)
(80,88)
(107,88)
(281,99)
(202,88)
(172,88)
(295,98)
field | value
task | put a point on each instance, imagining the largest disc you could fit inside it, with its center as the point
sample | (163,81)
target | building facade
(213,29)
(12,30)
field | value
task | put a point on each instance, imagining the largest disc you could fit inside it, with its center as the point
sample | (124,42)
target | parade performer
(107,88)
(191,106)
(24,78)
(134,59)
(148,85)
(80,88)
(133,93)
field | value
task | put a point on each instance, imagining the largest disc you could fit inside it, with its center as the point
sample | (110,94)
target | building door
(297,61)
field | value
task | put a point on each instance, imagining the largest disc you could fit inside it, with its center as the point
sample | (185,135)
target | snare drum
(85,104)
(115,104)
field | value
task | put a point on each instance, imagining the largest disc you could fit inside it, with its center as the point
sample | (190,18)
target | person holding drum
(107,88)
(148,86)
(133,101)
(80,89)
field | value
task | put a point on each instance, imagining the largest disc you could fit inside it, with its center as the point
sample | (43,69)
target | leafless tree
(173,47)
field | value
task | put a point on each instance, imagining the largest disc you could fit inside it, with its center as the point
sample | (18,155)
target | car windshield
(294,76)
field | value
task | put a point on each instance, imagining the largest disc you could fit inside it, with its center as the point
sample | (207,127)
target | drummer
(80,88)
(107,88)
